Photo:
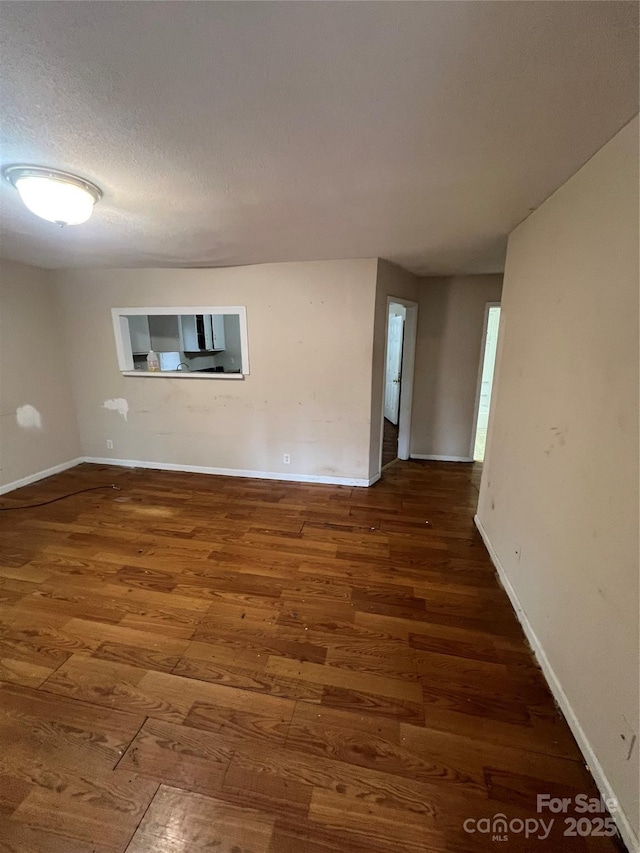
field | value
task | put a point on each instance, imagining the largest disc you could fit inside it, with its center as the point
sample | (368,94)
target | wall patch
(119,405)
(28,417)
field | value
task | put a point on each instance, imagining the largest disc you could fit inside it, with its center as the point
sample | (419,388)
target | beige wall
(559,494)
(33,372)
(308,394)
(448,355)
(391,281)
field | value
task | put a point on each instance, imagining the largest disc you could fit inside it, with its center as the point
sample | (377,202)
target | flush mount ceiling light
(56,196)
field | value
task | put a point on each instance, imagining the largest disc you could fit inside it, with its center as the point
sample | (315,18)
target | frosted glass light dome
(52,195)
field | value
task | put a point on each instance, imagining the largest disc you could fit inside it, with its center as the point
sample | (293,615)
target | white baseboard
(233,472)
(441,458)
(191,469)
(40,475)
(622,822)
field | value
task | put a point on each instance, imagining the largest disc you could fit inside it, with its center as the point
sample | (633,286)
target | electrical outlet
(109,444)
(286,459)
(627,737)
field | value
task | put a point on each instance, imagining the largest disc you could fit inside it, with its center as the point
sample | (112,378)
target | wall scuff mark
(28,417)
(119,405)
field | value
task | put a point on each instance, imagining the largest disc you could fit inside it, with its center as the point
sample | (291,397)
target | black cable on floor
(61,498)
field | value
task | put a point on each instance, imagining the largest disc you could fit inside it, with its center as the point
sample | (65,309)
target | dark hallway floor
(389,443)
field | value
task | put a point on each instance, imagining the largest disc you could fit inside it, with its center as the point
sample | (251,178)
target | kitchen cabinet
(139,333)
(201,332)
(165,332)
(217,325)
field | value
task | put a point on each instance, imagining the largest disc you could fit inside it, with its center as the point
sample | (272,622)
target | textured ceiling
(239,132)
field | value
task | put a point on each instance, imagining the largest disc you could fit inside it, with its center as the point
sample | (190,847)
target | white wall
(448,358)
(308,394)
(33,372)
(559,494)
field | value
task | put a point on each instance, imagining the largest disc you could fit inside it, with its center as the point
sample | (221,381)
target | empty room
(319,397)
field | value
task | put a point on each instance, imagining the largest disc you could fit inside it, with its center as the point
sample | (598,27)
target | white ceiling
(240,132)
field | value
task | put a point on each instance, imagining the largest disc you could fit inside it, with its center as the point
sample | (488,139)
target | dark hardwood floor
(200,663)
(389,442)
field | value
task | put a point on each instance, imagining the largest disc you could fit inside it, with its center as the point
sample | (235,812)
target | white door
(395,333)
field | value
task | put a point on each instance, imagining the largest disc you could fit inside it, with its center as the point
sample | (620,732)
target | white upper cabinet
(217,325)
(201,332)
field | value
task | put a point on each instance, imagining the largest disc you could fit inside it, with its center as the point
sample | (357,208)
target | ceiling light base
(58,197)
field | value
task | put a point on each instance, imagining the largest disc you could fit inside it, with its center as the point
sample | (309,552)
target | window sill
(180,374)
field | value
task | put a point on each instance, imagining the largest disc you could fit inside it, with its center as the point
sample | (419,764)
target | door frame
(483,346)
(406,376)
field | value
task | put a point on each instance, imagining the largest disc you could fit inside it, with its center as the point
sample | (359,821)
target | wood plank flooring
(389,443)
(200,663)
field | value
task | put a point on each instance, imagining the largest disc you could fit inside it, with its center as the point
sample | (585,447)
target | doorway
(400,341)
(485,379)
(396,314)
